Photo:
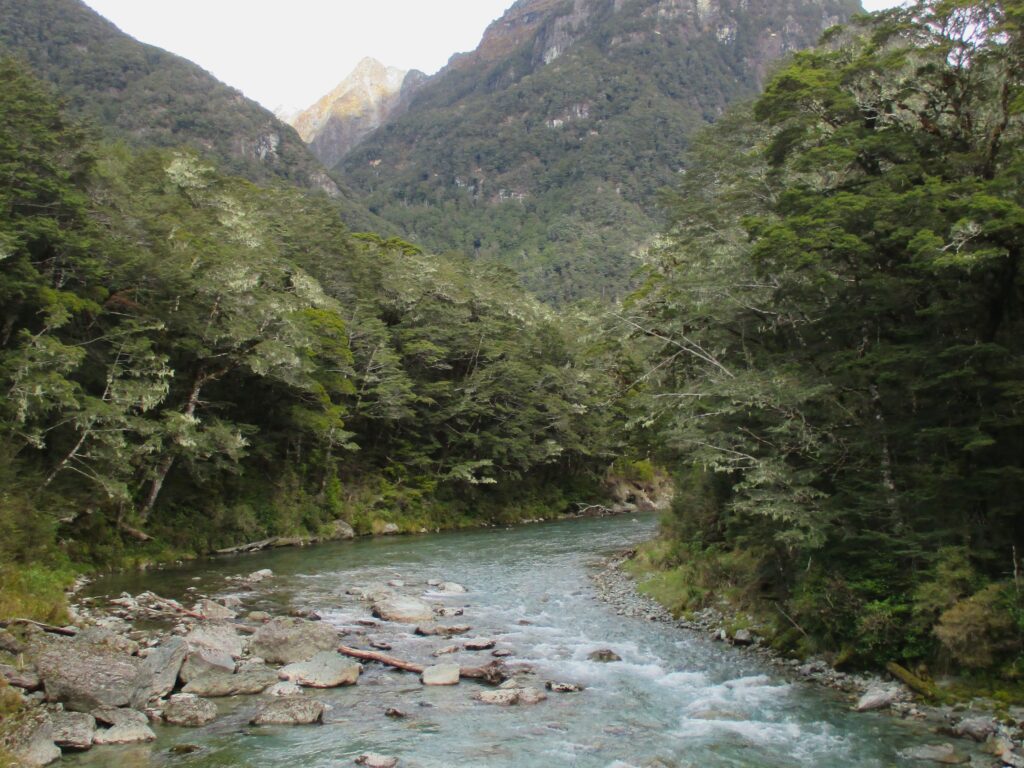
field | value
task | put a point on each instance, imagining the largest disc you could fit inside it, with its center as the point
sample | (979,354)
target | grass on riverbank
(35,592)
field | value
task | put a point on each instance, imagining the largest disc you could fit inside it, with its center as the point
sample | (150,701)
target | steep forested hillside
(187,356)
(836,319)
(545,148)
(151,98)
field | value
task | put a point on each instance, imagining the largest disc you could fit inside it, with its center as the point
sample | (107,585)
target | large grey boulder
(977,728)
(406,610)
(339,529)
(327,669)
(84,677)
(127,726)
(289,710)
(288,640)
(944,754)
(27,679)
(160,671)
(189,711)
(211,609)
(29,739)
(216,636)
(72,730)
(876,698)
(201,660)
(250,680)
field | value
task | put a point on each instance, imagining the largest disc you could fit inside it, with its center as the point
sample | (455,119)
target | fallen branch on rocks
(492,673)
(66,631)
(913,682)
(173,606)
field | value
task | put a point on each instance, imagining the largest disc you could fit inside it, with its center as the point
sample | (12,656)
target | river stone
(216,636)
(442,630)
(127,726)
(480,644)
(10,643)
(604,655)
(29,738)
(289,710)
(373,760)
(945,754)
(389,529)
(73,730)
(446,650)
(189,711)
(407,610)
(445,611)
(257,576)
(876,698)
(202,660)
(288,640)
(441,674)
(551,685)
(27,679)
(103,637)
(84,677)
(283,688)
(250,680)
(743,637)
(451,588)
(339,529)
(531,696)
(502,697)
(160,670)
(327,669)
(258,617)
(213,610)
(977,728)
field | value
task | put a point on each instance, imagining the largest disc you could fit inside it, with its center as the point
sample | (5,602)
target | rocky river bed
(496,648)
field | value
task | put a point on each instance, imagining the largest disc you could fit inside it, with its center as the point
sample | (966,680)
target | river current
(675,699)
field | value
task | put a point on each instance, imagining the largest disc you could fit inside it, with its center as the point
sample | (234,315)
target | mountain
(149,97)
(545,147)
(360,104)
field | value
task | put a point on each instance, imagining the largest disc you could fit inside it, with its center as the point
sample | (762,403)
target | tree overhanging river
(675,699)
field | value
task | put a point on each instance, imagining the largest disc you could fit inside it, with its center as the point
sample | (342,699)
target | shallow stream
(675,699)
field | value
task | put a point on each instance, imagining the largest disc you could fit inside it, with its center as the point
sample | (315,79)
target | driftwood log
(492,673)
(66,631)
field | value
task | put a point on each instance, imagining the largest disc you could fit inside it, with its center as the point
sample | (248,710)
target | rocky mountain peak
(360,103)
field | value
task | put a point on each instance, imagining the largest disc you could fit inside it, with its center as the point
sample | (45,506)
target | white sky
(289,54)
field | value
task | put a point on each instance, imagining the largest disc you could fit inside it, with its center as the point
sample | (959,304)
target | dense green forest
(549,158)
(191,360)
(836,318)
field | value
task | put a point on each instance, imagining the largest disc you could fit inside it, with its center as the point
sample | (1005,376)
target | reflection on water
(673,700)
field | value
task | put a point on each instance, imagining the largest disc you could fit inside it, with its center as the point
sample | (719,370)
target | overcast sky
(289,54)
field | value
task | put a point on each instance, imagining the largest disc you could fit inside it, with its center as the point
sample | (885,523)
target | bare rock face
(85,677)
(406,610)
(30,740)
(189,710)
(250,680)
(289,710)
(73,730)
(327,669)
(289,640)
(127,726)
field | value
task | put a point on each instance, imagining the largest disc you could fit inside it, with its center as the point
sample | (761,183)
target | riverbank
(999,729)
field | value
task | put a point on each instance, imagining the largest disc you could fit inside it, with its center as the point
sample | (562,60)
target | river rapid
(675,698)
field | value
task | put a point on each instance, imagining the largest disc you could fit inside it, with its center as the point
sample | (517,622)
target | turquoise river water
(675,699)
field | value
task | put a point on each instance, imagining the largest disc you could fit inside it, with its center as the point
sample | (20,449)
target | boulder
(441,674)
(160,671)
(84,677)
(216,636)
(504,698)
(339,529)
(258,617)
(289,710)
(288,640)
(446,650)
(743,637)
(944,754)
(257,576)
(211,609)
(27,679)
(551,685)
(876,698)
(531,696)
(30,739)
(284,688)
(254,679)
(103,637)
(127,726)
(72,730)
(189,711)
(407,610)
(442,630)
(451,588)
(389,529)
(604,655)
(445,611)
(327,669)
(202,660)
(977,728)
(10,643)
(373,760)
(480,644)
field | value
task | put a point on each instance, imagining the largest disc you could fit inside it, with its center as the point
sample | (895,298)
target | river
(675,699)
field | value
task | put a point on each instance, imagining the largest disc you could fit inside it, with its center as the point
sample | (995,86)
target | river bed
(675,699)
